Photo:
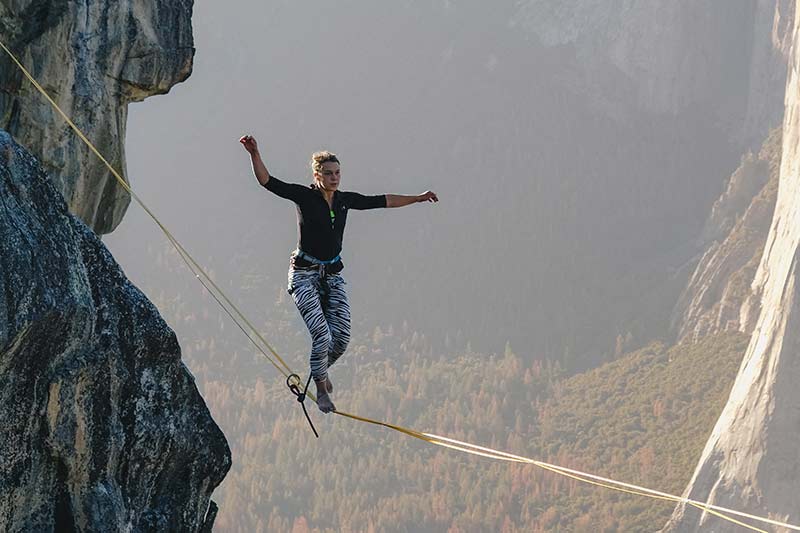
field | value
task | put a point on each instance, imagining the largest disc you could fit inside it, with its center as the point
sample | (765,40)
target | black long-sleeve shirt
(320,227)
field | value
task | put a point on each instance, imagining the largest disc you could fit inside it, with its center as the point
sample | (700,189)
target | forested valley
(642,418)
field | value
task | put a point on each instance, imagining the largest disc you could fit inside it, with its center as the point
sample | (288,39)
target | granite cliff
(93,58)
(719,296)
(103,426)
(751,462)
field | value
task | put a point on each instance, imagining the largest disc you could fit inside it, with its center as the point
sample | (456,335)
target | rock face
(93,58)
(751,461)
(103,426)
(719,296)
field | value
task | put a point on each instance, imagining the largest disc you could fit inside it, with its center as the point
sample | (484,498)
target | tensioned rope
(238,317)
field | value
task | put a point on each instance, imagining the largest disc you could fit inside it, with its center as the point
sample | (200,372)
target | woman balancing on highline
(315,281)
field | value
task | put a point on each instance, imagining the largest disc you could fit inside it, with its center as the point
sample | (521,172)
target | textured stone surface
(751,461)
(719,296)
(93,57)
(103,426)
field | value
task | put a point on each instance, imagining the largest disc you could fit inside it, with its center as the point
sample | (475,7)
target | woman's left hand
(428,196)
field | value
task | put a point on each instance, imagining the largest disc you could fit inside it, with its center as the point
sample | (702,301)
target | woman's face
(329,175)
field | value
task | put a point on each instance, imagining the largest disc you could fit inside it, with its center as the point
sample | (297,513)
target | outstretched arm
(259,168)
(402,200)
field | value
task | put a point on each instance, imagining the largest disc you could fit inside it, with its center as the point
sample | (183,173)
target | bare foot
(324,401)
(329,385)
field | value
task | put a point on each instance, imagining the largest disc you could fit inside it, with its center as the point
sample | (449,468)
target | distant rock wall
(751,461)
(678,55)
(719,296)
(769,57)
(103,426)
(93,57)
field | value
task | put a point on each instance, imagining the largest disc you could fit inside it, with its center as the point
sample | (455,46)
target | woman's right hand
(250,144)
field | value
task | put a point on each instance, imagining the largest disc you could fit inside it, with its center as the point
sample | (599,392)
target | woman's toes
(325,404)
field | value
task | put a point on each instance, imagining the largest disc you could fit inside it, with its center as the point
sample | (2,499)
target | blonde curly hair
(324,156)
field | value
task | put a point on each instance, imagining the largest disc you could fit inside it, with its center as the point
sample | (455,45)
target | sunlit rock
(93,58)
(751,462)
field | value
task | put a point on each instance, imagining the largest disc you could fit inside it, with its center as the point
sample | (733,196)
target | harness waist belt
(311,259)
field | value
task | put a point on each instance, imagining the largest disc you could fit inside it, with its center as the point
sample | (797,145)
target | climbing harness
(322,268)
(293,379)
(311,259)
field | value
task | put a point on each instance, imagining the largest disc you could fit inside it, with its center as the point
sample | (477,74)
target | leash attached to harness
(301,396)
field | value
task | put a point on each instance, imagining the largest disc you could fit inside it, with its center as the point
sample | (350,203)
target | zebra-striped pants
(322,302)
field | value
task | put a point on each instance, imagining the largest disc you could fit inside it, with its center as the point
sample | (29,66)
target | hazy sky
(293,78)
(560,196)
(356,78)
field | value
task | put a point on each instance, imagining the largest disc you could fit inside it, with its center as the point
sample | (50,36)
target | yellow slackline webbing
(446,442)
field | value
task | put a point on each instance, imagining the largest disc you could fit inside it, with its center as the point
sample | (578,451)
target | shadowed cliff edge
(104,429)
